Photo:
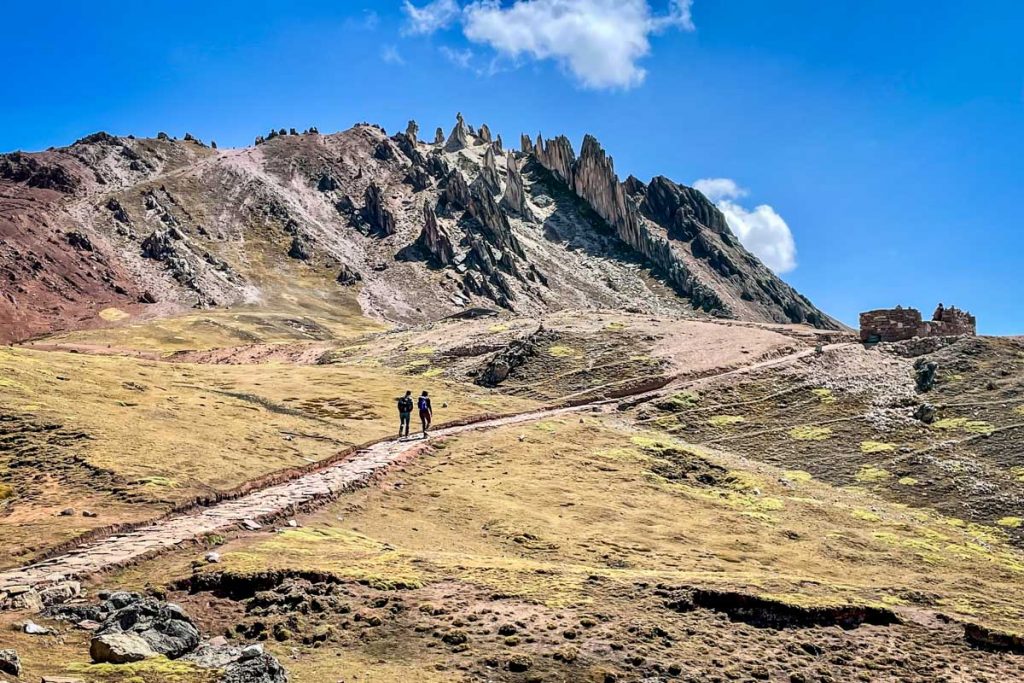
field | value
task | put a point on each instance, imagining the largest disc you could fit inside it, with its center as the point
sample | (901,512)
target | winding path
(274,501)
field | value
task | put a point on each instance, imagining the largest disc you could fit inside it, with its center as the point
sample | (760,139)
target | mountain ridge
(114,227)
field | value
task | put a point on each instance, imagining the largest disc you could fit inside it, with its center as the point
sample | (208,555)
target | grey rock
(412,130)
(251,525)
(434,239)
(926,413)
(212,557)
(300,249)
(378,212)
(456,191)
(60,592)
(514,199)
(120,648)
(10,663)
(924,374)
(439,136)
(459,138)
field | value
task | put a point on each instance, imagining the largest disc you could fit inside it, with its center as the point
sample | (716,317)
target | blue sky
(886,138)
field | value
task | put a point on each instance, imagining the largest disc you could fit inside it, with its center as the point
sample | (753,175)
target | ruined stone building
(897,324)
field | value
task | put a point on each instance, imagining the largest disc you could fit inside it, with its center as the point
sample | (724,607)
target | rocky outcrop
(456,191)
(434,239)
(349,276)
(493,222)
(412,129)
(22,168)
(300,249)
(378,212)
(131,627)
(484,134)
(525,144)
(459,139)
(439,136)
(514,355)
(10,663)
(514,199)
(488,178)
(662,218)
(418,178)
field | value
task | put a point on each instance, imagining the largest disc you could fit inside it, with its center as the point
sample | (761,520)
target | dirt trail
(268,503)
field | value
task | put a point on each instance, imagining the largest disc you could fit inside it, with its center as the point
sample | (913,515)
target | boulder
(120,648)
(299,249)
(60,592)
(924,374)
(10,663)
(348,276)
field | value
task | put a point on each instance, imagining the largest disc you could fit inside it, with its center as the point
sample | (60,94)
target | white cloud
(719,188)
(460,58)
(431,17)
(761,230)
(599,42)
(389,54)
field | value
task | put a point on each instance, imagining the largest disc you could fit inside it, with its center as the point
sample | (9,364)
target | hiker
(426,412)
(404,414)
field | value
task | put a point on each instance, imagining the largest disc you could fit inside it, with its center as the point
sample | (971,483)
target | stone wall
(898,324)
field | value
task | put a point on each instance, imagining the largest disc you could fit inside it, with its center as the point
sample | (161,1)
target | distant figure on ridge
(404,414)
(937,315)
(426,412)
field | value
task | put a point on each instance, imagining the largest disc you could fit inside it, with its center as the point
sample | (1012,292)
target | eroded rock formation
(459,139)
(514,199)
(378,212)
(434,239)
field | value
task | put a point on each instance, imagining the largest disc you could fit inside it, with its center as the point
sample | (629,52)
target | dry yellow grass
(170,432)
(536,517)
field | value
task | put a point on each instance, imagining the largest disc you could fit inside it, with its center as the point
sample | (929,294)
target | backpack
(424,403)
(405,404)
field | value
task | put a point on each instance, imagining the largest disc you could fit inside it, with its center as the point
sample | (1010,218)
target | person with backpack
(404,414)
(426,412)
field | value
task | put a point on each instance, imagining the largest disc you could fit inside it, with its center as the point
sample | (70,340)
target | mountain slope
(115,227)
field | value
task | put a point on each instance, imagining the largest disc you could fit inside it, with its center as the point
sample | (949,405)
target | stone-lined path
(320,485)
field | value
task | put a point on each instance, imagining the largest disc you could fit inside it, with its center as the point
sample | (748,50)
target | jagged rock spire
(557,156)
(378,213)
(484,134)
(495,225)
(412,130)
(456,191)
(488,177)
(434,239)
(525,144)
(499,145)
(439,136)
(514,199)
(459,139)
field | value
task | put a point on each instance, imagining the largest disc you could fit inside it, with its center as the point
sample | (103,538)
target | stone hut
(897,324)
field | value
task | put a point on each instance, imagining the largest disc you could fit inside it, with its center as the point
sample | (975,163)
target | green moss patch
(962,424)
(876,447)
(725,420)
(809,433)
